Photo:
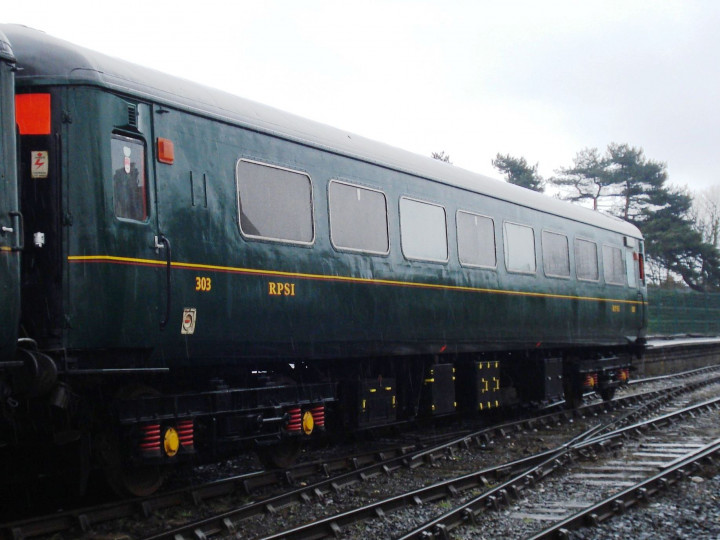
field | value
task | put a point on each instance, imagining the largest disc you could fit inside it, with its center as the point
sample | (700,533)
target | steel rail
(332,525)
(620,502)
(440,526)
(681,375)
(360,467)
(223,523)
(532,469)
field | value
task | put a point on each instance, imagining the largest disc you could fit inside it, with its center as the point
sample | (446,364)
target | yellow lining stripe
(5,248)
(320,277)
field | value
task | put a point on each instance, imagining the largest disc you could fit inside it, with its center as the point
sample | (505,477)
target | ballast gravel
(689,510)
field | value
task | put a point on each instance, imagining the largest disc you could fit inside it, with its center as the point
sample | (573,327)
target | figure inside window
(129,192)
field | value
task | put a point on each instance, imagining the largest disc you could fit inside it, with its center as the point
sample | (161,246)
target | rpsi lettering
(281,289)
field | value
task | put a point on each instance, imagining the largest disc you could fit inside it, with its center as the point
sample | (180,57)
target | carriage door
(114,268)
(184,148)
(10,221)
(635,267)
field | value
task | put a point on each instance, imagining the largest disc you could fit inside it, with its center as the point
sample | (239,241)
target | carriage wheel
(126,479)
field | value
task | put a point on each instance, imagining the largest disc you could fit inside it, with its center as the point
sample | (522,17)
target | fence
(683,312)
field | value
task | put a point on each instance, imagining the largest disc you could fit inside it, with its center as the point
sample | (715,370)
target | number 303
(203,284)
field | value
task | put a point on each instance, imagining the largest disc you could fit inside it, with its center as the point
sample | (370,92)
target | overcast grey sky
(536,79)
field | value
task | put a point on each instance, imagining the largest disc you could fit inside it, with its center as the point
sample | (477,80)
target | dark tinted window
(129,189)
(556,254)
(358,218)
(613,266)
(520,248)
(586,260)
(476,240)
(423,230)
(274,203)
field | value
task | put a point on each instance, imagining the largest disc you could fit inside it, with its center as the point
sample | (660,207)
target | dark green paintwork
(107,305)
(119,303)
(9,258)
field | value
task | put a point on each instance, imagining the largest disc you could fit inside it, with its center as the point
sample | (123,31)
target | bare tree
(706,212)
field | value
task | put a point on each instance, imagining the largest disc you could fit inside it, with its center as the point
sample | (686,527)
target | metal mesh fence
(681,312)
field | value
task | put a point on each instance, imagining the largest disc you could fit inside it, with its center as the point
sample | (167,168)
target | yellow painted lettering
(281,289)
(203,284)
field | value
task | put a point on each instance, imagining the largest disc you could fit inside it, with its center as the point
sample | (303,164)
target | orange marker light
(32,113)
(165,151)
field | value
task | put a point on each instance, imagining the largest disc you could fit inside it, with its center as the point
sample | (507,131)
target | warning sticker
(39,164)
(188,321)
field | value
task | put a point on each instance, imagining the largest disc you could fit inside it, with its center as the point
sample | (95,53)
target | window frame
(631,268)
(402,243)
(269,238)
(507,252)
(135,138)
(624,269)
(387,218)
(494,238)
(542,249)
(597,259)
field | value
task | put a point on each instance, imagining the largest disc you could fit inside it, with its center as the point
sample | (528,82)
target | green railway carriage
(9,235)
(235,273)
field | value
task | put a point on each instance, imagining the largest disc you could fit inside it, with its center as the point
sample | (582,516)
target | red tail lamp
(32,113)
(165,151)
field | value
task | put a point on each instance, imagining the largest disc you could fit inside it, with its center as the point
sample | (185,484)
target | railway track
(680,459)
(565,488)
(301,484)
(522,476)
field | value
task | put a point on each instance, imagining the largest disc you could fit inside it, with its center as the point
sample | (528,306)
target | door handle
(161,242)
(17,230)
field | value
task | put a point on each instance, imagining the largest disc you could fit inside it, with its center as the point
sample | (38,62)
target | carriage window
(274,203)
(614,268)
(586,260)
(476,240)
(423,230)
(556,255)
(520,248)
(358,218)
(129,189)
(631,263)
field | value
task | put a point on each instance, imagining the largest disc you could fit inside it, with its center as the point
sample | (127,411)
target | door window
(129,186)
